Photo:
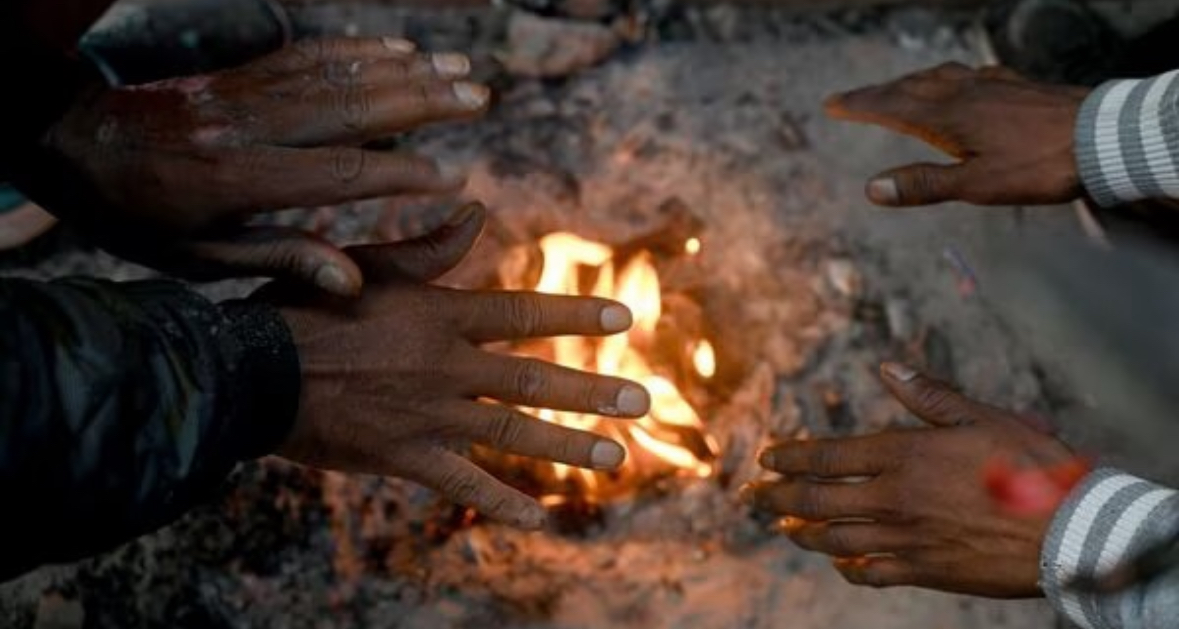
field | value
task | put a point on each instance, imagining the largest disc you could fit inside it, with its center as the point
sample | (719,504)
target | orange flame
(575,266)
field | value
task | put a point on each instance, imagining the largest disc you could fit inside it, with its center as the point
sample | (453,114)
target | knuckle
(838,541)
(504,429)
(528,379)
(812,502)
(824,458)
(524,315)
(937,401)
(460,486)
(347,164)
(353,106)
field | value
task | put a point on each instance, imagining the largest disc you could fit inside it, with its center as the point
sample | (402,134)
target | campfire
(673,361)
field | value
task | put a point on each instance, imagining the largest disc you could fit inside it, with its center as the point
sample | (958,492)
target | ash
(804,291)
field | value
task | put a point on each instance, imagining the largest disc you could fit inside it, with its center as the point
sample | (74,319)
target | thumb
(425,258)
(931,401)
(918,184)
(279,252)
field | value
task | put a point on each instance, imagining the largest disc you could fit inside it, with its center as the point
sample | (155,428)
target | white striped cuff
(1107,520)
(1127,140)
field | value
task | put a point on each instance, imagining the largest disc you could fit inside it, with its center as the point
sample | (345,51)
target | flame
(704,359)
(672,433)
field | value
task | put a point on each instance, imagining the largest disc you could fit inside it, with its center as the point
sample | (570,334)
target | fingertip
(532,517)
(767,459)
(615,318)
(898,373)
(607,455)
(333,279)
(472,95)
(883,191)
(633,401)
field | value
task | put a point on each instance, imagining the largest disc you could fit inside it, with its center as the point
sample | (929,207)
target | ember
(672,437)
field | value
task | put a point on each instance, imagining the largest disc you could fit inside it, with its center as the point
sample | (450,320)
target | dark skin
(395,382)
(182,164)
(1012,139)
(911,507)
(168,174)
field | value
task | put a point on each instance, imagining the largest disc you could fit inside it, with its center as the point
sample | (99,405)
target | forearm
(123,405)
(1110,520)
(1127,140)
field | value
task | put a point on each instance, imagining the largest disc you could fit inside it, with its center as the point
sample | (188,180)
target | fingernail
(451,65)
(333,279)
(883,191)
(472,95)
(898,372)
(398,45)
(607,455)
(452,173)
(632,401)
(460,216)
(766,459)
(747,493)
(615,318)
(532,518)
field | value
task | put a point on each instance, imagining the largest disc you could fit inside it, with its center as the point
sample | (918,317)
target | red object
(1029,491)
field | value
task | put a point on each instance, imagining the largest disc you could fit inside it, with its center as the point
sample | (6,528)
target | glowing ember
(692,247)
(672,436)
(704,359)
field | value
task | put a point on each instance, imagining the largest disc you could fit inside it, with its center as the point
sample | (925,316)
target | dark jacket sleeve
(124,405)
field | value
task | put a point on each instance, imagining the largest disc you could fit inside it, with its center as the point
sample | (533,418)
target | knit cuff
(266,374)
(1106,521)
(1127,140)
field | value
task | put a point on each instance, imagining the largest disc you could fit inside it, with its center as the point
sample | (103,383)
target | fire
(671,436)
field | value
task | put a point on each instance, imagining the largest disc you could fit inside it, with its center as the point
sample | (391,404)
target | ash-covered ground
(720,108)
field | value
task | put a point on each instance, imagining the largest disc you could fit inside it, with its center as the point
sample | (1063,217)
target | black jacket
(123,405)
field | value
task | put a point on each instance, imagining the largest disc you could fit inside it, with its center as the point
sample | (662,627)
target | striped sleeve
(1127,140)
(1107,521)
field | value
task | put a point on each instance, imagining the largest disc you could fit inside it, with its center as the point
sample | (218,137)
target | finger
(1000,72)
(949,71)
(919,184)
(281,178)
(538,384)
(278,252)
(508,430)
(883,105)
(815,501)
(463,482)
(509,315)
(832,458)
(312,53)
(355,113)
(931,401)
(427,258)
(877,572)
(850,539)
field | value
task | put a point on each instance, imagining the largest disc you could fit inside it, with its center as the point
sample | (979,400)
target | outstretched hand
(925,507)
(166,173)
(395,383)
(1012,139)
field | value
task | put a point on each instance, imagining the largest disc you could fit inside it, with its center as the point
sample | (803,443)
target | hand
(1013,139)
(395,382)
(923,507)
(167,172)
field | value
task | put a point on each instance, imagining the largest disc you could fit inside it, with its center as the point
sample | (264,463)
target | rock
(902,324)
(550,47)
(844,277)
(57,612)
